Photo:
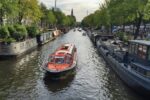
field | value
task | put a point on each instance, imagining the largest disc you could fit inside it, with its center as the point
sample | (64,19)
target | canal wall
(16,49)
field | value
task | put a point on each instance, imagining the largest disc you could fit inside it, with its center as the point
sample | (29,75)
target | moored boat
(62,61)
(131,65)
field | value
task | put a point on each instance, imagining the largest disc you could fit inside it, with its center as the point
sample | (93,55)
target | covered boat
(132,65)
(62,61)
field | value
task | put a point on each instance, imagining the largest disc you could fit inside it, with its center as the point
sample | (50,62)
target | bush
(21,32)
(123,36)
(12,31)
(120,35)
(33,31)
(9,40)
(125,39)
(4,33)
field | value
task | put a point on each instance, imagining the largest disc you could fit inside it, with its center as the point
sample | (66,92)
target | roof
(64,49)
(61,52)
(143,42)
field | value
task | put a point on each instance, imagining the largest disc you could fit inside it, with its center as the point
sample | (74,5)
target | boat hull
(63,73)
(130,78)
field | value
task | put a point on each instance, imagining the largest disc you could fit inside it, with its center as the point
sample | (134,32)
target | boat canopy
(63,54)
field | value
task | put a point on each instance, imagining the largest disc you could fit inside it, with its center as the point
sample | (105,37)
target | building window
(68,59)
(132,48)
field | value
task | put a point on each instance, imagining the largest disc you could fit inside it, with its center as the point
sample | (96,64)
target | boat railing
(140,69)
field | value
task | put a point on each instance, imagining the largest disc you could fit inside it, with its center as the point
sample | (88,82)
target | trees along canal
(22,18)
(120,12)
(30,11)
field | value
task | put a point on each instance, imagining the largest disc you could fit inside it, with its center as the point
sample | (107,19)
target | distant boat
(62,61)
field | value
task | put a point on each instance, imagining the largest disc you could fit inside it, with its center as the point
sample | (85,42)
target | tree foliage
(120,12)
(8,8)
(29,9)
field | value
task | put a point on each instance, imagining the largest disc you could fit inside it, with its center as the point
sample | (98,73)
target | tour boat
(62,61)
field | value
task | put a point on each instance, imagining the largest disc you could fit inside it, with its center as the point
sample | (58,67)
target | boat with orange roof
(62,61)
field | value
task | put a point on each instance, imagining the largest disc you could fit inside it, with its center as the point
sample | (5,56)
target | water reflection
(24,79)
(59,84)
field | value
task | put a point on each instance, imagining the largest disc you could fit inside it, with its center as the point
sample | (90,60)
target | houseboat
(132,64)
(62,61)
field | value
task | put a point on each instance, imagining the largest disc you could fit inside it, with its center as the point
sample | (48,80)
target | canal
(24,79)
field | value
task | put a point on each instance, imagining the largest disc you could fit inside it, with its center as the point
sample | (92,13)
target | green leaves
(4,33)
(118,12)
(51,17)
(29,10)
(33,31)
(21,32)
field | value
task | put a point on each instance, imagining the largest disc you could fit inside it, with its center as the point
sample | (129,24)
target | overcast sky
(81,7)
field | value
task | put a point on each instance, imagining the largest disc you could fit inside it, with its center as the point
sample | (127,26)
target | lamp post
(55,4)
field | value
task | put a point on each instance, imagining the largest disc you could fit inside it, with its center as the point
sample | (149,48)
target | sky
(81,8)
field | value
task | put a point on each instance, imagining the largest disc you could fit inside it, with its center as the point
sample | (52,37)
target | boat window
(75,49)
(59,60)
(132,48)
(149,54)
(68,59)
(136,49)
(142,51)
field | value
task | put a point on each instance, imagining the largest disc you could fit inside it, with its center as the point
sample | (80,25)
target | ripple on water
(25,79)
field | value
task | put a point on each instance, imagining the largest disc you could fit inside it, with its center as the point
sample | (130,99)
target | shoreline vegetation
(124,18)
(24,24)
(24,19)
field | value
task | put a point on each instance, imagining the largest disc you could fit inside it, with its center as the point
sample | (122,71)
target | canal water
(24,79)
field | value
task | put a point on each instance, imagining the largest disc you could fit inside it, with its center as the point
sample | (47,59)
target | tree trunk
(139,20)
